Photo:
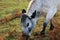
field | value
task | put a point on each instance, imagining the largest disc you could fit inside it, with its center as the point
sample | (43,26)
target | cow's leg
(44,27)
(49,16)
(51,25)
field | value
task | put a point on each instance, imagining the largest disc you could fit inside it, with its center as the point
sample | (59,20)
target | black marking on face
(24,17)
(27,24)
(34,14)
(29,29)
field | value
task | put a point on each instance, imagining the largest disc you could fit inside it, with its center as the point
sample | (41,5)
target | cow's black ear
(33,14)
(23,11)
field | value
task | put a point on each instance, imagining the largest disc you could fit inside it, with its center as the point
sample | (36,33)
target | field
(10,27)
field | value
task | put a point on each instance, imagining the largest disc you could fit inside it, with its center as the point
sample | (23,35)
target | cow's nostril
(23,34)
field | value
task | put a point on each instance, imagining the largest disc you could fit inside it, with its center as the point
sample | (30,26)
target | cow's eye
(27,24)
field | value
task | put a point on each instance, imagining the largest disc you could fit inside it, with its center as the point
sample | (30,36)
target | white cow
(35,10)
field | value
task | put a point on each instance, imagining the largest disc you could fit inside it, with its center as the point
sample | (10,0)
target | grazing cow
(35,10)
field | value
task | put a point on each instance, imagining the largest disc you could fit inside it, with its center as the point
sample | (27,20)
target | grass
(7,6)
(12,30)
(12,27)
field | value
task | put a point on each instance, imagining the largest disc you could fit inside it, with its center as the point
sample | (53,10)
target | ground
(10,27)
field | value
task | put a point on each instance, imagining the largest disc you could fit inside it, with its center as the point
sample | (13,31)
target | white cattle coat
(45,7)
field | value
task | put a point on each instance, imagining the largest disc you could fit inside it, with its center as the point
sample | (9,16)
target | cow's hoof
(42,33)
(51,28)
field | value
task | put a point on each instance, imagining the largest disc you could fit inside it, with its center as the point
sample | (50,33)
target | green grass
(6,8)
